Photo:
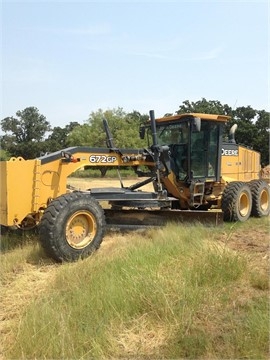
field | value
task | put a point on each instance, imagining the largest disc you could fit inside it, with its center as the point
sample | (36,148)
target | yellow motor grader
(195,176)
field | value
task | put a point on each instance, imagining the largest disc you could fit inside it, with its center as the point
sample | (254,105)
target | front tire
(260,192)
(236,202)
(72,227)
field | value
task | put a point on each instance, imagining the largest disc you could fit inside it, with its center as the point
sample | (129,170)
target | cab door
(204,146)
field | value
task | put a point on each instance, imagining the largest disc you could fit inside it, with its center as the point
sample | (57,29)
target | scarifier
(196,176)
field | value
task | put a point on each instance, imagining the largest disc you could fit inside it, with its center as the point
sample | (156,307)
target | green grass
(168,293)
(16,238)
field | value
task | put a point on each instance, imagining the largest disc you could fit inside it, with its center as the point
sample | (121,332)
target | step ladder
(196,193)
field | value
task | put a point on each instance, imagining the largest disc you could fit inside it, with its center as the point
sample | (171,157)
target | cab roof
(212,117)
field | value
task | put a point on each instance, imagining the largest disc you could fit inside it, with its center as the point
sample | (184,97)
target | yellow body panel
(27,186)
(212,117)
(17,189)
(243,165)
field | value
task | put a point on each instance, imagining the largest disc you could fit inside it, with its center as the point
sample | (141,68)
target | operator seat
(178,156)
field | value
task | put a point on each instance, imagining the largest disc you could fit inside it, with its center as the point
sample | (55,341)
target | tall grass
(168,293)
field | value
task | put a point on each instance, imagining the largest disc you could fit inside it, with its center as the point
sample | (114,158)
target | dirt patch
(265,174)
(84,184)
(254,244)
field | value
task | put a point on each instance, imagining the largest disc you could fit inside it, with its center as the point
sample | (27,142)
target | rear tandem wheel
(236,201)
(72,227)
(260,192)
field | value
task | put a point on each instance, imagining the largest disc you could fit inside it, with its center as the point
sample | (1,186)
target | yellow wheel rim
(81,229)
(244,204)
(264,200)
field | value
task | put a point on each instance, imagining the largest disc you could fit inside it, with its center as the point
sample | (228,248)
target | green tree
(80,136)
(262,141)
(124,128)
(4,155)
(204,106)
(58,139)
(245,118)
(24,135)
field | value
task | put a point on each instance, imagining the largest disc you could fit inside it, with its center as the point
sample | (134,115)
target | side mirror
(142,132)
(196,124)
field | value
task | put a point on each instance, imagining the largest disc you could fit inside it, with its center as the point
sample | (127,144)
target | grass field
(173,293)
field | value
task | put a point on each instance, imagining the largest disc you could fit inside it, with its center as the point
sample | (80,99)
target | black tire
(236,202)
(72,227)
(260,192)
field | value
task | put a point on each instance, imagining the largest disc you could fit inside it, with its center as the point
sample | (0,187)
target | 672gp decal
(102,159)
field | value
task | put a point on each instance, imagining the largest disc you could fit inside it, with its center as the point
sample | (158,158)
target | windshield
(204,146)
(193,154)
(176,136)
(172,133)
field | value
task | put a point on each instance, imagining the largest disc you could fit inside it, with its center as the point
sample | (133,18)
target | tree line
(30,135)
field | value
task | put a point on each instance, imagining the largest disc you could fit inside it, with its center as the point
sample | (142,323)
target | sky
(71,58)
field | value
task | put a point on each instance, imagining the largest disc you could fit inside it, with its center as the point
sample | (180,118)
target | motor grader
(195,176)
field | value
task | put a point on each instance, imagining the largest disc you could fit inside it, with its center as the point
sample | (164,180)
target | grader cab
(195,176)
(207,172)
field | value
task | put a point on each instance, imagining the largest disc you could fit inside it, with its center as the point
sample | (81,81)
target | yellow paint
(244,167)
(212,117)
(27,186)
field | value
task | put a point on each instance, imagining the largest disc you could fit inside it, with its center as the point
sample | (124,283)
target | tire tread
(50,227)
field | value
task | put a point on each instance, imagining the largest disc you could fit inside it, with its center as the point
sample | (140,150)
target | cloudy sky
(69,58)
